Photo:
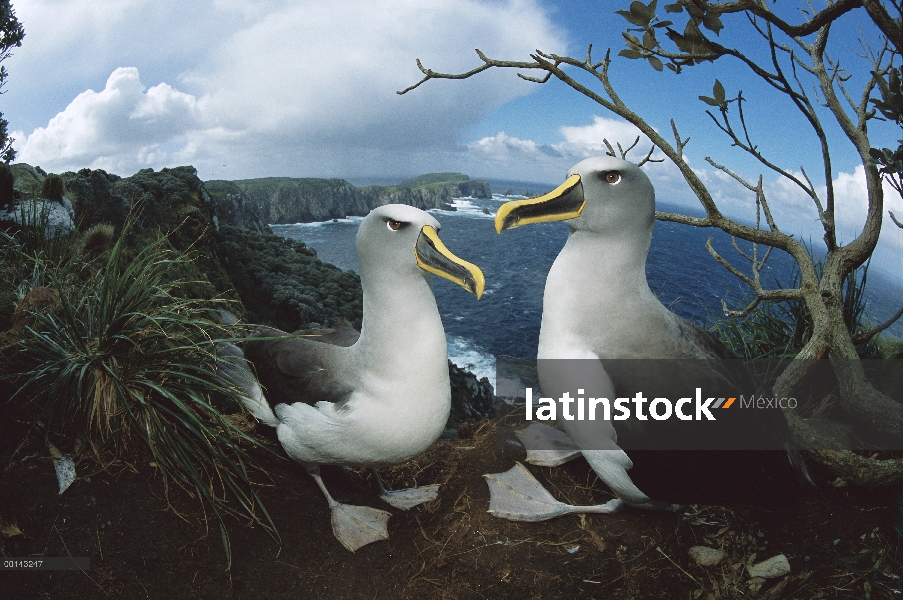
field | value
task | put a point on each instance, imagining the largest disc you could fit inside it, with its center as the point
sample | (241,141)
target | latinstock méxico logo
(659,409)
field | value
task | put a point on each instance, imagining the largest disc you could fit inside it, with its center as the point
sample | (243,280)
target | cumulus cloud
(589,140)
(503,147)
(98,128)
(293,88)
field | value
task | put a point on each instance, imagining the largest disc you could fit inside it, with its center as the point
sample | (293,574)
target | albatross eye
(612,177)
(393,225)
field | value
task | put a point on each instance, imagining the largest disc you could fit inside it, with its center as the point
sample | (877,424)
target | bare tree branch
(818,20)
(866,336)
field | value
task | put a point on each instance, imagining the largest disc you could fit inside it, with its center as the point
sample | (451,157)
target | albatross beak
(432,256)
(563,203)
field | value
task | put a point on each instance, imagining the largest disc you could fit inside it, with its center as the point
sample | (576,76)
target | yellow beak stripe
(432,256)
(564,202)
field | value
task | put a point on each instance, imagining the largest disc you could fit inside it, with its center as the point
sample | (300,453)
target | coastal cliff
(303,200)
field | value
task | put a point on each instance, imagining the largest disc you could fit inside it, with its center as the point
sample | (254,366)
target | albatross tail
(233,367)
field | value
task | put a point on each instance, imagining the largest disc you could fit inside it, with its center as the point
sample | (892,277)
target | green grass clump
(125,364)
(434,179)
(52,188)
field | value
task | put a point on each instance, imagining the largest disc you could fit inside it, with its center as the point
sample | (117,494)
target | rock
(776,566)
(60,218)
(472,399)
(705,556)
(233,207)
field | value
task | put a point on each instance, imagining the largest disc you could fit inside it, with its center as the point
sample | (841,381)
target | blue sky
(257,88)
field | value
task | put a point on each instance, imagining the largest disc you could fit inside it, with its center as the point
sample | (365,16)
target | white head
(603,194)
(404,241)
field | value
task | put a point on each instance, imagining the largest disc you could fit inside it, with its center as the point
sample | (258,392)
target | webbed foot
(411,497)
(517,496)
(356,526)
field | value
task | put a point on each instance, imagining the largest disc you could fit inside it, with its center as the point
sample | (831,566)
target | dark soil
(145,545)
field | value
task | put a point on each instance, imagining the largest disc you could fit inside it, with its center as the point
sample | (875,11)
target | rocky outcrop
(472,399)
(57,215)
(288,200)
(232,206)
(467,189)
(291,200)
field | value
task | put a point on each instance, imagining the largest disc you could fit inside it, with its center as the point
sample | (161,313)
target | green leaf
(710,101)
(629,54)
(672,67)
(677,7)
(648,40)
(718,92)
(656,63)
(678,40)
(632,40)
(663,24)
(631,17)
(713,23)
(641,11)
(697,593)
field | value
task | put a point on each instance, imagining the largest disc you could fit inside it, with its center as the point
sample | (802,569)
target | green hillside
(434,179)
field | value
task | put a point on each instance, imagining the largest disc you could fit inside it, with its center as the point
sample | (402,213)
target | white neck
(597,297)
(401,333)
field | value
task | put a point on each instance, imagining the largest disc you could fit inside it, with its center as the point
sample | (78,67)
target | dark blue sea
(506,320)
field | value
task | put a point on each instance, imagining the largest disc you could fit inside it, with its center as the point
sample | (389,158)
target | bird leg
(409,498)
(353,526)
(517,496)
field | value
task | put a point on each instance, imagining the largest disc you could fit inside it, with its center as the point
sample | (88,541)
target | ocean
(505,321)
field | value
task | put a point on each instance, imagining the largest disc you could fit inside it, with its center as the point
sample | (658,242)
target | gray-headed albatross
(601,325)
(376,398)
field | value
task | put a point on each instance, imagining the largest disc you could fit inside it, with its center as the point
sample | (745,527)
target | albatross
(600,326)
(375,398)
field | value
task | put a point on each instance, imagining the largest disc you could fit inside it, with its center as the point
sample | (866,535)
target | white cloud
(296,89)
(532,161)
(98,128)
(503,147)
(589,140)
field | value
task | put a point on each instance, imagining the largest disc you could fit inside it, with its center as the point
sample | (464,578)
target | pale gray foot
(354,526)
(547,446)
(517,496)
(408,498)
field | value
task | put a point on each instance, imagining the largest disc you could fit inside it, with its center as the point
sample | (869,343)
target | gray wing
(301,367)
(343,335)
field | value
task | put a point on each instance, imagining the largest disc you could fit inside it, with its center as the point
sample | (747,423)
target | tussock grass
(123,363)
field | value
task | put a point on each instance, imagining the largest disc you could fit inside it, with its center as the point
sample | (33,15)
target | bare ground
(145,545)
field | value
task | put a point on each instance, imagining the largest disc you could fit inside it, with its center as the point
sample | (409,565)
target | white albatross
(377,398)
(599,314)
